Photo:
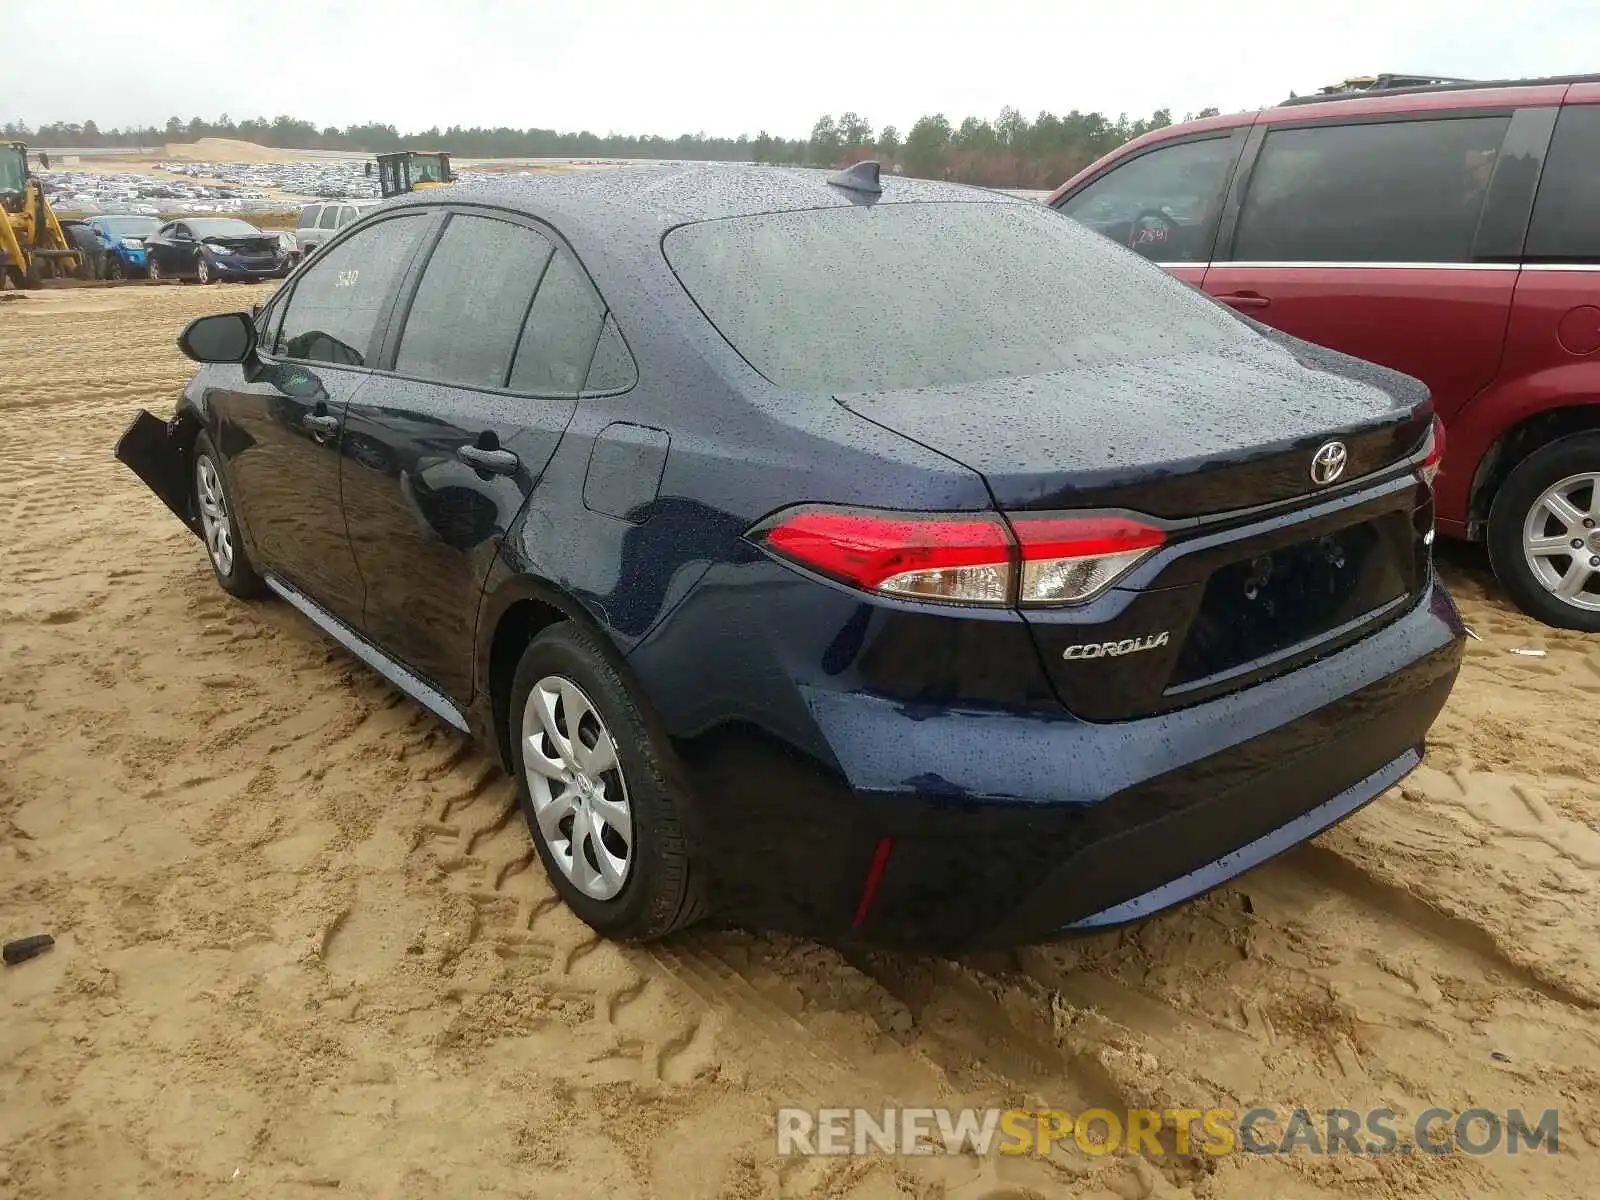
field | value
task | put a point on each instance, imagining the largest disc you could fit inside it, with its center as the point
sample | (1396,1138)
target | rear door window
(1381,192)
(1164,203)
(308,216)
(558,341)
(612,368)
(339,299)
(330,215)
(1566,214)
(471,304)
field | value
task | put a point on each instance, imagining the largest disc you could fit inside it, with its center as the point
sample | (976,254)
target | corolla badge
(1328,463)
(1116,649)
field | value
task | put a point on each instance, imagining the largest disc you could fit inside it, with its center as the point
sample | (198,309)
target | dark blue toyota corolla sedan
(888,560)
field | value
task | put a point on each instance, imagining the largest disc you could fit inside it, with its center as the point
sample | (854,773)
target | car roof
(654,198)
(614,219)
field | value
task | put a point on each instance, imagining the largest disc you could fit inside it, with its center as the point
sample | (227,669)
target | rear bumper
(1008,827)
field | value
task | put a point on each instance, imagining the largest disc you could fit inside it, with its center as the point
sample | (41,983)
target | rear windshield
(897,296)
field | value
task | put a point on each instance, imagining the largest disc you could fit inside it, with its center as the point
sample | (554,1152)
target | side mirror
(224,338)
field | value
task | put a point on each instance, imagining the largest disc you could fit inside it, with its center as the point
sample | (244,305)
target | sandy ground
(304,945)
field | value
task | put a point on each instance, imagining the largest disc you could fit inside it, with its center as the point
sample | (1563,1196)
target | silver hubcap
(1561,540)
(580,800)
(214,514)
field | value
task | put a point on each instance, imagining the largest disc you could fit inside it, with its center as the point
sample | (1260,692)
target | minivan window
(308,216)
(1164,204)
(1392,191)
(559,339)
(329,218)
(339,299)
(927,295)
(1566,214)
(471,303)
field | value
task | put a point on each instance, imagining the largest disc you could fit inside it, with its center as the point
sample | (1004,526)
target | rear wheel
(1544,533)
(599,790)
(114,268)
(219,527)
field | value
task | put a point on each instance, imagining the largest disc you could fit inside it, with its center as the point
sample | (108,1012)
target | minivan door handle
(1244,299)
(493,462)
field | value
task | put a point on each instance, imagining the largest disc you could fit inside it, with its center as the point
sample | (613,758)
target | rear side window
(470,307)
(612,368)
(1395,191)
(330,215)
(898,296)
(1566,214)
(563,326)
(1164,204)
(339,299)
(308,216)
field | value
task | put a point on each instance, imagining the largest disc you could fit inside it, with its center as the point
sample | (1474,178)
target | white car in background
(320,221)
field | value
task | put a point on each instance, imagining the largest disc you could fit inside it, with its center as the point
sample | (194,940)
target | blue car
(123,238)
(867,557)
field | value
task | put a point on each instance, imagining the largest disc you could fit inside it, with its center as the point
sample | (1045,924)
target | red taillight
(1429,469)
(959,557)
(1067,560)
(963,558)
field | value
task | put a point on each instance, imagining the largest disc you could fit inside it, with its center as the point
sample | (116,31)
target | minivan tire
(1547,466)
(660,893)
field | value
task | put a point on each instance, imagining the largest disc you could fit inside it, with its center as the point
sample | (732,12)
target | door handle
(321,424)
(494,462)
(1244,300)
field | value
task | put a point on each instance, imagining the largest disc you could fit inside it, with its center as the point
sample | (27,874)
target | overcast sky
(732,66)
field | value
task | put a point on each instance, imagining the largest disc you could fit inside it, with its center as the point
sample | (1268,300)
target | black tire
(115,271)
(239,578)
(661,892)
(1528,481)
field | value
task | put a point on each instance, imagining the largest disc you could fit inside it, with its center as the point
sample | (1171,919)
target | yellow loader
(33,246)
(410,170)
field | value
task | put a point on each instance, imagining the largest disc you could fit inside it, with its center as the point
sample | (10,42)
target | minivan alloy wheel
(1561,540)
(214,514)
(580,799)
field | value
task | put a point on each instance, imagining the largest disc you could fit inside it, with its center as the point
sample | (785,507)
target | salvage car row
(200,249)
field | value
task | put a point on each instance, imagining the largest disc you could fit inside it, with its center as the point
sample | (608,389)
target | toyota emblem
(1327,464)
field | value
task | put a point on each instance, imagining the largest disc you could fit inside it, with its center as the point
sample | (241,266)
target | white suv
(319,222)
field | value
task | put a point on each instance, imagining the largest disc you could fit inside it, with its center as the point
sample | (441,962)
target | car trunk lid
(1263,566)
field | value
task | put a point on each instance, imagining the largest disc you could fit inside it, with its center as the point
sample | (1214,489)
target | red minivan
(1449,231)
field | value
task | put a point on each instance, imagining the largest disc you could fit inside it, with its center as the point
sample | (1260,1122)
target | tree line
(1009,151)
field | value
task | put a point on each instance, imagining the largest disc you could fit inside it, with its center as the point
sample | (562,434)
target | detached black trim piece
(158,452)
